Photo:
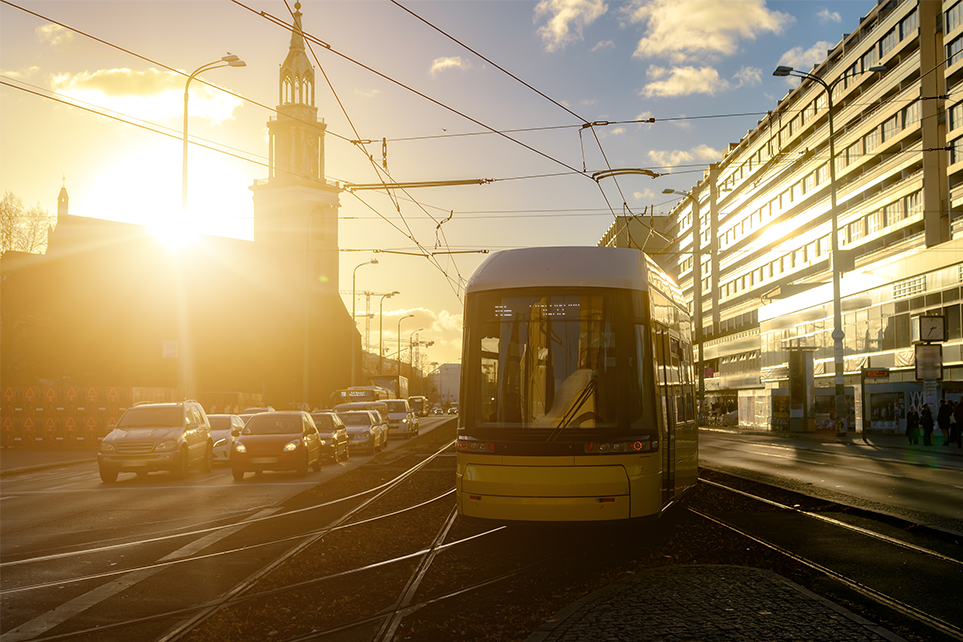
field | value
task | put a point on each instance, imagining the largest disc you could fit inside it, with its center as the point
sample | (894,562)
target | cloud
(604,44)
(21,74)
(688,30)
(566,20)
(644,194)
(149,94)
(684,81)
(825,15)
(453,62)
(748,77)
(680,156)
(802,60)
(368,94)
(54,35)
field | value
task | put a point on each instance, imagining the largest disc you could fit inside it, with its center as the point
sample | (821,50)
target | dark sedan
(334,436)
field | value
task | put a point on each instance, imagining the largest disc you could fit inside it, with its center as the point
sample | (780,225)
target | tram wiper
(572,413)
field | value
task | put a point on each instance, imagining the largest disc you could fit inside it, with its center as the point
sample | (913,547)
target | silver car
(158,436)
(224,429)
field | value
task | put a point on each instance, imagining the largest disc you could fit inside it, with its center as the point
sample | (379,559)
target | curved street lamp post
(381,330)
(354,275)
(230,60)
(842,406)
(696,290)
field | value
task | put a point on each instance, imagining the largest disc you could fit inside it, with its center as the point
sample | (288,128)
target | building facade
(107,301)
(759,255)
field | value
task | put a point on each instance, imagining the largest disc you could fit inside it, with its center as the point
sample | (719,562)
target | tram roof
(577,266)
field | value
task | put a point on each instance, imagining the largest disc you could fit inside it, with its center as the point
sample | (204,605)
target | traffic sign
(50,394)
(92,393)
(8,394)
(71,394)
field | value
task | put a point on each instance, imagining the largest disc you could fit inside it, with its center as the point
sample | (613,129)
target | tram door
(667,373)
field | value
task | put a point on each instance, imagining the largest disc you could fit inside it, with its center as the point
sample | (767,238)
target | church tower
(295,209)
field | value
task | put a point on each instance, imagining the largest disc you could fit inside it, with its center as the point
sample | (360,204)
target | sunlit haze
(107,124)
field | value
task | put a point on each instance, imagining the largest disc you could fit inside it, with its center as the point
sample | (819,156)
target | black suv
(158,436)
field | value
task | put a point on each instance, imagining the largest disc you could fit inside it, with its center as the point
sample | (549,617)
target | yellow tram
(577,396)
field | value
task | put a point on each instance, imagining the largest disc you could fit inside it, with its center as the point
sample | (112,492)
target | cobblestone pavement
(708,604)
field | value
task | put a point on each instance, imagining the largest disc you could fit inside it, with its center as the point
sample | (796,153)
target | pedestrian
(943,420)
(913,426)
(956,428)
(926,423)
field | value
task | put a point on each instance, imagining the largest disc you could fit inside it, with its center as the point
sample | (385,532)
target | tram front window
(555,362)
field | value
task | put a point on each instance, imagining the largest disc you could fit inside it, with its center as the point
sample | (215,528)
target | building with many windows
(760,256)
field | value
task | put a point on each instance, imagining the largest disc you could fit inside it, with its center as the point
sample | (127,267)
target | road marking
(43,623)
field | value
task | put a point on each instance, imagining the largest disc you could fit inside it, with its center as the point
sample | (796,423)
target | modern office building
(760,257)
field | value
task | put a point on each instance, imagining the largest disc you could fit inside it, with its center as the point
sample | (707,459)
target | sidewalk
(898,442)
(19,460)
(721,603)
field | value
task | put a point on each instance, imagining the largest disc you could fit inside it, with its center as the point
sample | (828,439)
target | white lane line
(43,623)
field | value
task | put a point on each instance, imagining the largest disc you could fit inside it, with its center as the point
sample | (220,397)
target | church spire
(297,74)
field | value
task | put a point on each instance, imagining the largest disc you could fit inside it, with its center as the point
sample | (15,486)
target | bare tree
(21,229)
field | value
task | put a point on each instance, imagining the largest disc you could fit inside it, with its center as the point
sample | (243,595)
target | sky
(459,90)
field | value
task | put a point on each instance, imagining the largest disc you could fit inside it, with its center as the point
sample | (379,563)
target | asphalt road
(922,486)
(49,513)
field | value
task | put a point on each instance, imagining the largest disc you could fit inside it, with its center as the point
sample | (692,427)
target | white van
(401,420)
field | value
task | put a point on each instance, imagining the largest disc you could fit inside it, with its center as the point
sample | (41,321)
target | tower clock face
(931,329)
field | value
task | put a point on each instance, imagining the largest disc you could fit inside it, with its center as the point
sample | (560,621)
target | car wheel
(317,463)
(207,463)
(337,454)
(238,474)
(108,476)
(180,466)
(303,468)
(347,453)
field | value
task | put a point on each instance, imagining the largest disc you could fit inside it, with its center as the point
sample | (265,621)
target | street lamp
(399,339)
(230,60)
(354,275)
(696,289)
(842,407)
(381,329)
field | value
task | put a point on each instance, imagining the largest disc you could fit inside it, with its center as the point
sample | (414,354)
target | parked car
(277,441)
(364,430)
(401,419)
(334,436)
(224,429)
(157,436)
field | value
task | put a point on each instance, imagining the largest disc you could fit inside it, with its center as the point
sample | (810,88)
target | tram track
(895,556)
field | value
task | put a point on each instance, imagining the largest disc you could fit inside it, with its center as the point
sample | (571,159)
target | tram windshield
(557,362)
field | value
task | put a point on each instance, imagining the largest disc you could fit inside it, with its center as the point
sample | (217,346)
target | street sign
(877,373)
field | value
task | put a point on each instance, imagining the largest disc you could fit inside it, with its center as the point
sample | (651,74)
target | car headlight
(239,447)
(170,444)
(323,442)
(292,445)
(107,447)
(220,442)
(404,421)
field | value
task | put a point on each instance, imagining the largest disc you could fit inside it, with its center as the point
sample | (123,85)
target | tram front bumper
(544,493)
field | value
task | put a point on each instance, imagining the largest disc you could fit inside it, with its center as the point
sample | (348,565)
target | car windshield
(356,419)
(219,422)
(396,406)
(324,422)
(272,424)
(152,417)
